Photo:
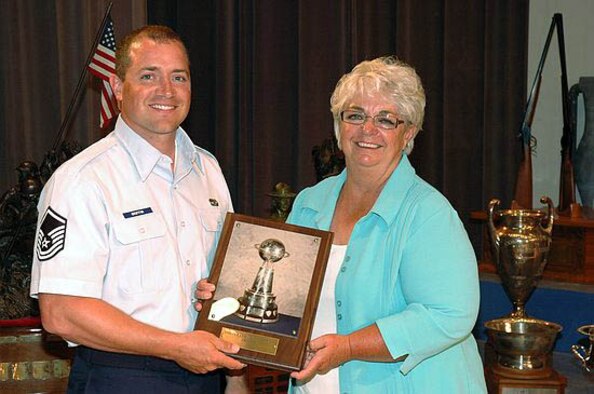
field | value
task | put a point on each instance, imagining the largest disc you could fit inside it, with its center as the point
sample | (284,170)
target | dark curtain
(44,46)
(263,72)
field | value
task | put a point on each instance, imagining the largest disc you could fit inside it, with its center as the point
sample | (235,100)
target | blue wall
(571,309)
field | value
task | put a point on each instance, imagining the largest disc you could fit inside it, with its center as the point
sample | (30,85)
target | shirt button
(339,316)
(343,269)
(188,261)
(183,224)
(338,303)
(141,230)
(347,258)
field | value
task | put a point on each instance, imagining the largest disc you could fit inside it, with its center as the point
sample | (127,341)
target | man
(126,230)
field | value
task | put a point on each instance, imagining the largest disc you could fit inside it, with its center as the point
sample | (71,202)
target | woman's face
(369,146)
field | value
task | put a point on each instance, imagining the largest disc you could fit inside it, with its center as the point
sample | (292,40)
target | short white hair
(385,77)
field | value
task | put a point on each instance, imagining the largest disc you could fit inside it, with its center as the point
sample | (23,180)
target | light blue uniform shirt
(410,269)
(136,234)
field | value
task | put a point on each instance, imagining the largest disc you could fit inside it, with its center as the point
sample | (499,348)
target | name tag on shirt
(137,212)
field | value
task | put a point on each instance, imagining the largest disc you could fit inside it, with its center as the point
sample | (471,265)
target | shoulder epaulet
(80,160)
(204,151)
(204,155)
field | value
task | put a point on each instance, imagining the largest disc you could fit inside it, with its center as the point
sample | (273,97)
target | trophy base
(523,346)
(514,373)
(554,383)
(257,308)
(255,317)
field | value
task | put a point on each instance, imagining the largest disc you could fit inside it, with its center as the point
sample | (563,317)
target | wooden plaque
(278,339)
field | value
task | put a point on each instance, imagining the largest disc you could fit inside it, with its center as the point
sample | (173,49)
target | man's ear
(117,86)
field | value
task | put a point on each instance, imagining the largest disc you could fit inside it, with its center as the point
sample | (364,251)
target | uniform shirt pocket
(211,224)
(141,259)
(211,220)
(129,231)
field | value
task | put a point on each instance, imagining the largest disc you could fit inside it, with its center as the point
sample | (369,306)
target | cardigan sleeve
(439,277)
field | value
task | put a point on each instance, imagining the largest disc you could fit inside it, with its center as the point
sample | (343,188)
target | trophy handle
(492,231)
(577,350)
(546,200)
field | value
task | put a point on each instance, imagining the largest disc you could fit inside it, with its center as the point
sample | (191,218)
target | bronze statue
(282,201)
(18,219)
(328,158)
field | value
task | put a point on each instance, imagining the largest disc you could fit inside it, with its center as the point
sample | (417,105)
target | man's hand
(204,291)
(109,329)
(202,352)
(327,352)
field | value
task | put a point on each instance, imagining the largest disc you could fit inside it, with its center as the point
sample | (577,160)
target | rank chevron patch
(51,235)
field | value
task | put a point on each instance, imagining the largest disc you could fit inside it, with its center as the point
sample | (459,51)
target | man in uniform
(126,230)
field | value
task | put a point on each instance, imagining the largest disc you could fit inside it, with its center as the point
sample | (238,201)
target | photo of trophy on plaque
(521,240)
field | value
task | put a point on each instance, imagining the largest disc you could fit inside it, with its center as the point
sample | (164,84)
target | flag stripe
(99,63)
(106,52)
(102,66)
(107,103)
(99,71)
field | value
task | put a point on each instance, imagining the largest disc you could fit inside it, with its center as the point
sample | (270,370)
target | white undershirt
(325,323)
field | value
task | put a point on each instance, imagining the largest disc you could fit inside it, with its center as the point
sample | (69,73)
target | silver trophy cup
(521,239)
(258,302)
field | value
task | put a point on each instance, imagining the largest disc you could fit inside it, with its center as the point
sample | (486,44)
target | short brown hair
(157,33)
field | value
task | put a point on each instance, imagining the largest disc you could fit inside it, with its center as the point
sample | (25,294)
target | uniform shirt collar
(187,154)
(146,157)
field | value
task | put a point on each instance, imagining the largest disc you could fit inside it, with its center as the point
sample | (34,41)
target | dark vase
(583,161)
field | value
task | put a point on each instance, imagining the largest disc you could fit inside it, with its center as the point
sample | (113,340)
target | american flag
(102,66)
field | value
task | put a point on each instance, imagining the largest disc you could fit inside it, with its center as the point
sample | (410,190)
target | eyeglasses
(383,120)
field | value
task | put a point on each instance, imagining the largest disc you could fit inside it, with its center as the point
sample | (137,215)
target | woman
(401,293)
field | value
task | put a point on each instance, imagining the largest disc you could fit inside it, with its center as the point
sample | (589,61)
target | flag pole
(68,118)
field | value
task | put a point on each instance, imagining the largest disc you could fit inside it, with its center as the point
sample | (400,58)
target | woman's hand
(327,352)
(204,290)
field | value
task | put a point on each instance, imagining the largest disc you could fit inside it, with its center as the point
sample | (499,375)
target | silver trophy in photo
(258,303)
(584,353)
(521,240)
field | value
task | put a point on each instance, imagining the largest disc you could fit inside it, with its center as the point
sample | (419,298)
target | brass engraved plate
(41,370)
(61,368)
(21,370)
(528,390)
(249,341)
(4,372)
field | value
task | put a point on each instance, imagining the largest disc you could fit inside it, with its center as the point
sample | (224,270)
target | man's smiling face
(155,94)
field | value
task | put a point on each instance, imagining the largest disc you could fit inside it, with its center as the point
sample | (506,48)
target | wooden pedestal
(266,380)
(496,384)
(571,257)
(555,383)
(31,361)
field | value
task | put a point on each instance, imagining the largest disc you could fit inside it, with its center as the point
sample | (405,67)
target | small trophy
(521,245)
(258,302)
(282,201)
(581,352)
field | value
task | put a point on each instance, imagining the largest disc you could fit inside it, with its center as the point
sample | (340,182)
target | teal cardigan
(410,269)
